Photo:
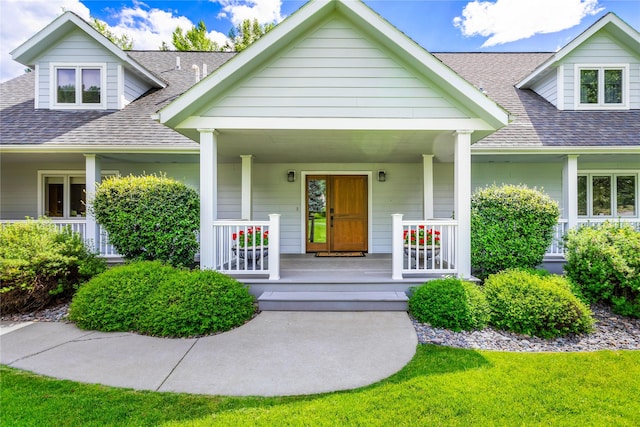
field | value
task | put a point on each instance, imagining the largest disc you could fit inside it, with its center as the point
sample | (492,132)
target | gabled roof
(610,22)
(29,51)
(304,20)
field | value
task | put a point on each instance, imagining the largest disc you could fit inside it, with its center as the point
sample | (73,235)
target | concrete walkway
(275,354)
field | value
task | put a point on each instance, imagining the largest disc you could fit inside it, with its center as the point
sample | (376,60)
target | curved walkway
(275,354)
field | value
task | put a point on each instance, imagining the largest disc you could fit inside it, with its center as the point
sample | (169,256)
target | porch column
(93,175)
(208,195)
(427,168)
(570,190)
(462,162)
(247,187)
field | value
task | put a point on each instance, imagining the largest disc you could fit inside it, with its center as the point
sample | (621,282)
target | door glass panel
(626,195)
(54,196)
(317,210)
(601,195)
(582,195)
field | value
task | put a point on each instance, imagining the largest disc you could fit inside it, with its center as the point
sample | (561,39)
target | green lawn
(441,386)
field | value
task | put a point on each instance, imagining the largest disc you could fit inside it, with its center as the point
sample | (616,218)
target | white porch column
(93,176)
(427,168)
(570,190)
(397,247)
(208,195)
(247,187)
(274,246)
(462,163)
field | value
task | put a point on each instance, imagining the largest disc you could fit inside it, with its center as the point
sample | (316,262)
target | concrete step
(333,301)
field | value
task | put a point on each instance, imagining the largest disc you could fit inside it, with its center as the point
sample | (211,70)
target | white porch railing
(237,250)
(423,254)
(557,245)
(79,226)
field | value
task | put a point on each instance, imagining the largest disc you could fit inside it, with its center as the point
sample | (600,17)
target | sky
(437,25)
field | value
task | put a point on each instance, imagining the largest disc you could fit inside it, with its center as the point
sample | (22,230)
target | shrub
(604,263)
(511,227)
(450,303)
(534,304)
(149,218)
(39,263)
(156,299)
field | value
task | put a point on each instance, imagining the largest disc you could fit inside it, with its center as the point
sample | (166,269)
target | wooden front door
(337,213)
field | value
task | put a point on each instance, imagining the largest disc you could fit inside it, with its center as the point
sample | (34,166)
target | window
(63,193)
(603,194)
(78,86)
(601,87)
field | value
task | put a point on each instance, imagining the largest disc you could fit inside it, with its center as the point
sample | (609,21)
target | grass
(441,386)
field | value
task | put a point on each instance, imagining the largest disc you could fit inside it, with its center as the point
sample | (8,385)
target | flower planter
(420,251)
(251,253)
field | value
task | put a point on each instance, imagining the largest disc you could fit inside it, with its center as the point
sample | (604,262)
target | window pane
(613,86)
(90,86)
(77,194)
(588,86)
(601,195)
(53,194)
(582,195)
(66,85)
(626,195)
(317,214)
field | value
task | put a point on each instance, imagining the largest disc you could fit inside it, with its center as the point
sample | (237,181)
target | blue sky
(437,25)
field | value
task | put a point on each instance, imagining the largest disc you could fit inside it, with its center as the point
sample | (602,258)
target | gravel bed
(611,332)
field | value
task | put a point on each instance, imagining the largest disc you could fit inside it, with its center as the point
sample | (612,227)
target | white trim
(66,174)
(99,149)
(208,196)
(121,100)
(332,123)
(560,88)
(462,201)
(601,105)
(36,99)
(609,18)
(491,151)
(246,198)
(78,105)
(427,186)
(303,214)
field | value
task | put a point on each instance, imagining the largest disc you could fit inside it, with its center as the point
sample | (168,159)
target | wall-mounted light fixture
(291,176)
(382,175)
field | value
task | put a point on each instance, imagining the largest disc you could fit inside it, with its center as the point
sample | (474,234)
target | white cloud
(262,10)
(21,19)
(505,21)
(149,27)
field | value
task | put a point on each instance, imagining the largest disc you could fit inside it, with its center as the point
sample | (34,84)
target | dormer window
(601,87)
(79,86)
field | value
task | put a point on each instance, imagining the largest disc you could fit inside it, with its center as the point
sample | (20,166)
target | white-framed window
(602,87)
(62,194)
(78,86)
(604,194)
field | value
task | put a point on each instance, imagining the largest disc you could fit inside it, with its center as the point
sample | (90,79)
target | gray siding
(548,87)
(602,48)
(134,87)
(335,72)
(78,48)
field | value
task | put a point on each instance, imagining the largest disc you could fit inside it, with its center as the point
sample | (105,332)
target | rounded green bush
(604,262)
(511,227)
(533,304)
(39,263)
(149,218)
(450,303)
(156,299)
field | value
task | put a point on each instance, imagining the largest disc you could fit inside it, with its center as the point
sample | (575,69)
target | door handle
(331,221)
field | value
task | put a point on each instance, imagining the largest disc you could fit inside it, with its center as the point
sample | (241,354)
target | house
(334,132)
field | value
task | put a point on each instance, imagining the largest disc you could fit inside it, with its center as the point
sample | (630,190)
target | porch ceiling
(291,146)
